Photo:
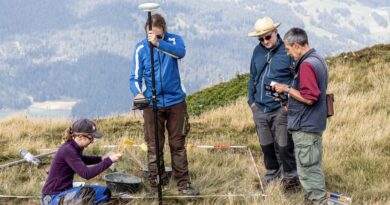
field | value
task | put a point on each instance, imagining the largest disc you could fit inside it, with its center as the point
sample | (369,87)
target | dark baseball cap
(86,126)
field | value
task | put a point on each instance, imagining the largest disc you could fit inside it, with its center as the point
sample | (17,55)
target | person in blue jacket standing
(270,64)
(172,113)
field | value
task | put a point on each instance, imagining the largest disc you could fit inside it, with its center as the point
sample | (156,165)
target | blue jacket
(169,90)
(278,69)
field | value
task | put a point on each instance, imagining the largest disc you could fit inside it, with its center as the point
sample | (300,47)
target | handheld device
(141,103)
(272,93)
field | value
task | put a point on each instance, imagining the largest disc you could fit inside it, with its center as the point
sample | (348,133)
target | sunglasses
(268,37)
(89,137)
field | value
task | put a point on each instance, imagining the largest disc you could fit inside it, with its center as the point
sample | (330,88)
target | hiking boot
(271,176)
(289,184)
(188,190)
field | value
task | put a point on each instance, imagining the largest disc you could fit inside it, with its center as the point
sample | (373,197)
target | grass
(218,95)
(356,143)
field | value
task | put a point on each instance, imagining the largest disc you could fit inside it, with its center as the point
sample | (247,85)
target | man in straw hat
(270,64)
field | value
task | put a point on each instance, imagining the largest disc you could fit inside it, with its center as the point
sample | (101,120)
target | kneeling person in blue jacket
(172,109)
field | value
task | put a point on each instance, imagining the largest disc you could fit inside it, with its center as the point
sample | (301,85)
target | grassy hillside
(218,95)
(356,143)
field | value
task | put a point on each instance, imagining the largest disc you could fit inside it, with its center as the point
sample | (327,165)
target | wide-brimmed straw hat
(263,26)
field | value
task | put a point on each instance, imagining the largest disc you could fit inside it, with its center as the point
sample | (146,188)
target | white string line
(257,170)
(127,196)
(196,146)
(188,145)
(20,197)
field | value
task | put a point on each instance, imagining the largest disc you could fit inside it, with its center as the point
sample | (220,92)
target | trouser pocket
(308,155)
(186,125)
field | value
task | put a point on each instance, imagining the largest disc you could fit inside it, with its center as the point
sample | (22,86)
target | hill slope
(356,143)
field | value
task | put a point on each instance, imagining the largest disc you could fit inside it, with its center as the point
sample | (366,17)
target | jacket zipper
(161,84)
(269,61)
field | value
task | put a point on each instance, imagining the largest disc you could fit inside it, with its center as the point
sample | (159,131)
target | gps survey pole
(149,7)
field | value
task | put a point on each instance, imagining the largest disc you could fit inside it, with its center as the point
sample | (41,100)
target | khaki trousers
(308,154)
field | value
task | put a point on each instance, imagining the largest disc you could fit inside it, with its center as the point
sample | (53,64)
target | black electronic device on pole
(149,7)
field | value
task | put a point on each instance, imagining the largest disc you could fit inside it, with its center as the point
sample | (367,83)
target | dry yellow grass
(220,172)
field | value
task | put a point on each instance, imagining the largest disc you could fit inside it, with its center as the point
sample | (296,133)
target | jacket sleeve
(137,68)
(173,47)
(308,82)
(88,160)
(75,161)
(252,76)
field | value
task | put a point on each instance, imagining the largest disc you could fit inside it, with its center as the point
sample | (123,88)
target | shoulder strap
(322,62)
(259,74)
(318,58)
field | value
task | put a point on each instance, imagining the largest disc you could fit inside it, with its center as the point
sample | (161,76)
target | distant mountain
(55,50)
